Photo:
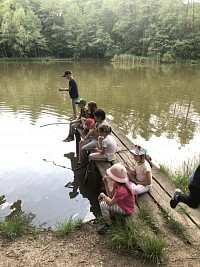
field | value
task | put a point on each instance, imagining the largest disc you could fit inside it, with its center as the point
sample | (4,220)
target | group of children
(126,182)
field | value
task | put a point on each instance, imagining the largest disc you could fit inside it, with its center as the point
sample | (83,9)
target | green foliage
(16,226)
(153,248)
(136,237)
(64,228)
(176,227)
(146,215)
(168,58)
(165,30)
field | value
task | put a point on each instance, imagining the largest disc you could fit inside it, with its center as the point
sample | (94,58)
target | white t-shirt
(111,146)
(141,170)
(99,124)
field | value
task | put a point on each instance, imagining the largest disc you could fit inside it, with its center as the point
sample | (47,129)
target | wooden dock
(158,198)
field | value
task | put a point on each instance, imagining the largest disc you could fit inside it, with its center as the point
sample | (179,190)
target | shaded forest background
(100,29)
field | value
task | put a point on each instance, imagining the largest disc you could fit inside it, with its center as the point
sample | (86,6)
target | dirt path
(85,247)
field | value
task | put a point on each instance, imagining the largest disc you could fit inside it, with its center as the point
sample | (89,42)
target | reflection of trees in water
(2,199)
(158,100)
(16,208)
(175,121)
(140,97)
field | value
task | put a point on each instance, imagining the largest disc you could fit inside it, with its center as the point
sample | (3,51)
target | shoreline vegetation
(167,30)
(122,58)
(140,235)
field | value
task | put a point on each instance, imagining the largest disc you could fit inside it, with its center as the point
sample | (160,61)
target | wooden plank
(165,183)
(163,187)
(168,186)
(162,199)
(102,167)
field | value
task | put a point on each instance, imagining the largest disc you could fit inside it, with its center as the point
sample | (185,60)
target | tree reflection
(132,94)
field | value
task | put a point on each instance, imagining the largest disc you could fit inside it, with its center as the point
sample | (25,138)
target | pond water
(156,106)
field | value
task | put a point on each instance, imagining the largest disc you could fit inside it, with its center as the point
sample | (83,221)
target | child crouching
(120,199)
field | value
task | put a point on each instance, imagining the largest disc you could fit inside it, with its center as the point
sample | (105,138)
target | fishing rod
(57,164)
(54,123)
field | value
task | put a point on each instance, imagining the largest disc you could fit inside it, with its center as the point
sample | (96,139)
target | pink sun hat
(118,173)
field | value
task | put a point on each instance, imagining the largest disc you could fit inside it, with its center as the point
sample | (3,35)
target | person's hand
(96,149)
(101,197)
(105,180)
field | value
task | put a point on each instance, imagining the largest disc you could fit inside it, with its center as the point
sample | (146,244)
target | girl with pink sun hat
(120,199)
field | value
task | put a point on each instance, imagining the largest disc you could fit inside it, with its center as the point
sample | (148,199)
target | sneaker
(72,118)
(69,139)
(80,166)
(104,229)
(174,201)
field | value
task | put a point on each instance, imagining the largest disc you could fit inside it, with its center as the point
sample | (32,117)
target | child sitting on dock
(83,114)
(90,141)
(141,176)
(120,199)
(92,106)
(88,125)
(107,145)
(193,198)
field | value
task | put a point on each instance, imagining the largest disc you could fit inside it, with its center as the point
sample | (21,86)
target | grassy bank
(138,237)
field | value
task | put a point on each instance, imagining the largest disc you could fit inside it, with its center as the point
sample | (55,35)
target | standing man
(73,91)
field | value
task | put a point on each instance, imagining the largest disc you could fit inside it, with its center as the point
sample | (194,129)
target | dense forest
(165,29)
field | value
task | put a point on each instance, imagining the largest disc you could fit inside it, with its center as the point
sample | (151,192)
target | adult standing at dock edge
(73,91)
(192,199)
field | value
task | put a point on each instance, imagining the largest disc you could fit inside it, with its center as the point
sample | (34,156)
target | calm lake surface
(157,106)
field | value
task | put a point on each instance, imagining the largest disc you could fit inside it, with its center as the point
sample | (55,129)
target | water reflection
(89,191)
(2,199)
(155,105)
(16,207)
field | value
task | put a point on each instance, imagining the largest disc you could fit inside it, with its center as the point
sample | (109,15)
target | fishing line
(57,164)
(54,123)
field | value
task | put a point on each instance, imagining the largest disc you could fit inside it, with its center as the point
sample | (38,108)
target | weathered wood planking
(162,188)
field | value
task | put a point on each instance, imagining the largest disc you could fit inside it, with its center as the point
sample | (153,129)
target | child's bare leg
(80,158)
(105,212)
(84,155)
(71,129)
(74,112)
